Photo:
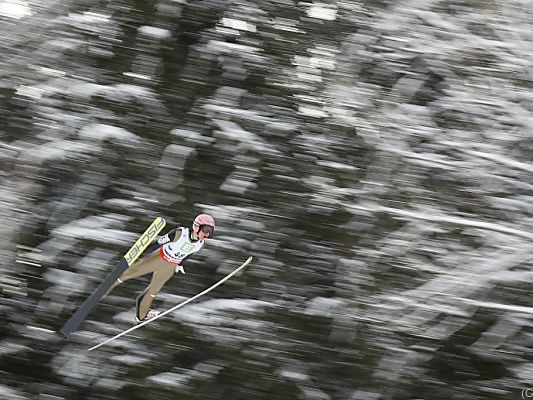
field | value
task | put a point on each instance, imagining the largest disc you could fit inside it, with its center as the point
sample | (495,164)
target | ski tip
(248,260)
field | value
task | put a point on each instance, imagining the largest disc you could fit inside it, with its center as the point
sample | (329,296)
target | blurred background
(373,156)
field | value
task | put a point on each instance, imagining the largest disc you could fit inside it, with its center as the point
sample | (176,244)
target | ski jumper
(167,256)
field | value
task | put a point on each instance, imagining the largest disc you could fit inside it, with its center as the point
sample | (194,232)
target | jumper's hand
(163,239)
(179,268)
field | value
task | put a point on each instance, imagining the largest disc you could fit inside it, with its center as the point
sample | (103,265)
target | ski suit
(167,255)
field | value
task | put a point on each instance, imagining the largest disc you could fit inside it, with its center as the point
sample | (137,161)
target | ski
(129,258)
(220,282)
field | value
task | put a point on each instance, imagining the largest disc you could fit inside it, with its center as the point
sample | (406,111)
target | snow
(169,379)
(435,220)
(504,160)
(86,90)
(336,165)
(324,307)
(238,24)
(313,112)
(154,32)
(314,393)
(134,91)
(57,150)
(137,76)
(287,25)
(30,91)
(102,228)
(65,279)
(11,347)
(322,11)
(243,177)
(101,132)
(450,219)
(217,311)
(235,136)
(7,393)
(250,115)
(119,91)
(237,185)
(89,17)
(246,52)
(64,44)
(15,9)
(130,359)
(122,203)
(498,306)
(294,375)
(191,137)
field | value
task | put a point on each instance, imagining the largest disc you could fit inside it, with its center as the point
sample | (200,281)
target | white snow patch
(191,137)
(86,90)
(336,165)
(246,52)
(64,44)
(287,25)
(109,384)
(100,132)
(323,306)
(322,11)
(211,312)
(134,90)
(312,112)
(56,150)
(90,17)
(314,393)
(122,203)
(30,91)
(96,228)
(294,375)
(65,279)
(250,115)
(233,132)
(130,360)
(169,379)
(504,160)
(137,76)
(15,9)
(238,24)
(48,71)
(157,33)
(237,185)
(7,393)
(218,46)
(119,92)
(499,306)
(8,347)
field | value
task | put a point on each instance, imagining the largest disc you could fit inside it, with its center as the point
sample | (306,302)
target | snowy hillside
(373,156)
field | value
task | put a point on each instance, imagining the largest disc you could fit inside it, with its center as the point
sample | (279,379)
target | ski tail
(220,282)
(74,322)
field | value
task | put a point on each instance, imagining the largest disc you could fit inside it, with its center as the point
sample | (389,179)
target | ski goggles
(207,229)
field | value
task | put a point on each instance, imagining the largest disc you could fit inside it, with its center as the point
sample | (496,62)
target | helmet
(204,223)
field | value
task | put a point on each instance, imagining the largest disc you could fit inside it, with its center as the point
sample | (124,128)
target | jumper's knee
(117,282)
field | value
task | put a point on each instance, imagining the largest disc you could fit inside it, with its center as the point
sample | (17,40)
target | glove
(163,239)
(179,268)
